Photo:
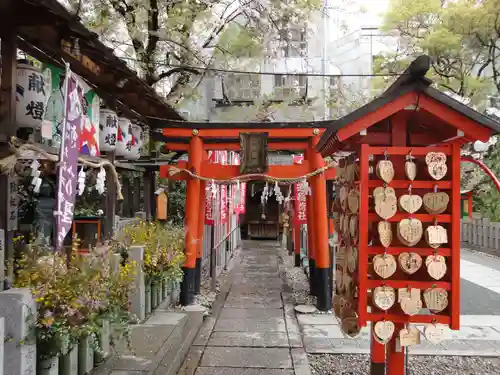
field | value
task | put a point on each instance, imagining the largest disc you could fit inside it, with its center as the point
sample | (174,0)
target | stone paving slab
(251,325)
(249,339)
(253,304)
(234,313)
(246,357)
(241,371)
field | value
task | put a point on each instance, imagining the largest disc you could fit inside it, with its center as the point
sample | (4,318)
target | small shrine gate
(198,138)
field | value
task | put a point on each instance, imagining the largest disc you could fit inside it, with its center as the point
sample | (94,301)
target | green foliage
(487,197)
(157,34)
(460,36)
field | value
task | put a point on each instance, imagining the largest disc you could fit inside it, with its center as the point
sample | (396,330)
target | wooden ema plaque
(420,235)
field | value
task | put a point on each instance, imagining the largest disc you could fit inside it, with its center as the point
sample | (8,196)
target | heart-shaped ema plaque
(384,330)
(410,262)
(435,157)
(384,265)
(410,231)
(410,203)
(409,336)
(384,297)
(436,299)
(337,304)
(434,333)
(351,170)
(353,228)
(339,281)
(352,259)
(350,327)
(436,203)
(435,236)
(343,193)
(385,233)
(380,193)
(353,201)
(386,208)
(410,170)
(385,170)
(411,306)
(436,266)
(437,171)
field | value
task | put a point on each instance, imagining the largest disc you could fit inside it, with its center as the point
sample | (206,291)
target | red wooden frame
(451,281)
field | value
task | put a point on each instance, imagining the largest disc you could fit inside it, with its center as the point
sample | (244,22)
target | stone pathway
(253,331)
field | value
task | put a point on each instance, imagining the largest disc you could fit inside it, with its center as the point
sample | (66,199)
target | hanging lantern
(31,96)
(135,143)
(123,136)
(108,124)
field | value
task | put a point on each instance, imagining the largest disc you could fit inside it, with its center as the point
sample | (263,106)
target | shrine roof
(411,80)
(45,27)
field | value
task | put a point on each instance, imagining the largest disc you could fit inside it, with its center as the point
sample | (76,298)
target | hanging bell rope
(20,148)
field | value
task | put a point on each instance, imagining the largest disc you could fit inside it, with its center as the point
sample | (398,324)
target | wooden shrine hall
(397,214)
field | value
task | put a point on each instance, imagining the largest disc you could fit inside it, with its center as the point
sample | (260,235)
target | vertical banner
(68,159)
(209,198)
(300,207)
(223,191)
(299,197)
(240,209)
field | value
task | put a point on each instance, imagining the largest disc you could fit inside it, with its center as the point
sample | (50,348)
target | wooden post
(469,204)
(395,354)
(8,123)
(149,184)
(310,236)
(109,220)
(296,242)
(195,158)
(201,227)
(321,248)
(377,357)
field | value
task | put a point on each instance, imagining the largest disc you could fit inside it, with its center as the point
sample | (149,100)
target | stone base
(68,363)
(85,357)
(48,367)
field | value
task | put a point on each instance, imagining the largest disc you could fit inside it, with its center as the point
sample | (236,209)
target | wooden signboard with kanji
(253,153)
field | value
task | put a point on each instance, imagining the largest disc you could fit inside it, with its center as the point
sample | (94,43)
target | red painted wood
(395,354)
(232,132)
(363,234)
(380,114)
(471,129)
(415,151)
(405,184)
(409,283)
(272,146)
(455,239)
(424,218)
(193,203)
(396,318)
(372,250)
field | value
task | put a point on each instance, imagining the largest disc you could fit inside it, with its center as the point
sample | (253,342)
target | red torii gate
(410,120)
(196,138)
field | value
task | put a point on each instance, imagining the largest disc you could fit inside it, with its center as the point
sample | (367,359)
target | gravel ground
(330,364)
(297,280)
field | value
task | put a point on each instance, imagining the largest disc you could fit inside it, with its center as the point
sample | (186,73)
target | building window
(293,42)
(286,86)
(242,86)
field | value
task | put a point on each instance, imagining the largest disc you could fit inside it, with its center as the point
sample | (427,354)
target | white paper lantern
(108,124)
(31,96)
(124,137)
(136,146)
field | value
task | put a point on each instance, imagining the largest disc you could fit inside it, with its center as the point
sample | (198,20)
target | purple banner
(68,160)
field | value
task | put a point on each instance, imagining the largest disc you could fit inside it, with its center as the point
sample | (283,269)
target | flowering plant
(72,294)
(163,248)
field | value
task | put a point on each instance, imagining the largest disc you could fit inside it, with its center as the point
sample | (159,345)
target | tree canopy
(461,37)
(167,39)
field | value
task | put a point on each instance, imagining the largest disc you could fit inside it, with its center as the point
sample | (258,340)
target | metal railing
(222,252)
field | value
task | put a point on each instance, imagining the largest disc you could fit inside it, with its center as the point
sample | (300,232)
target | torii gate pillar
(195,158)
(321,246)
